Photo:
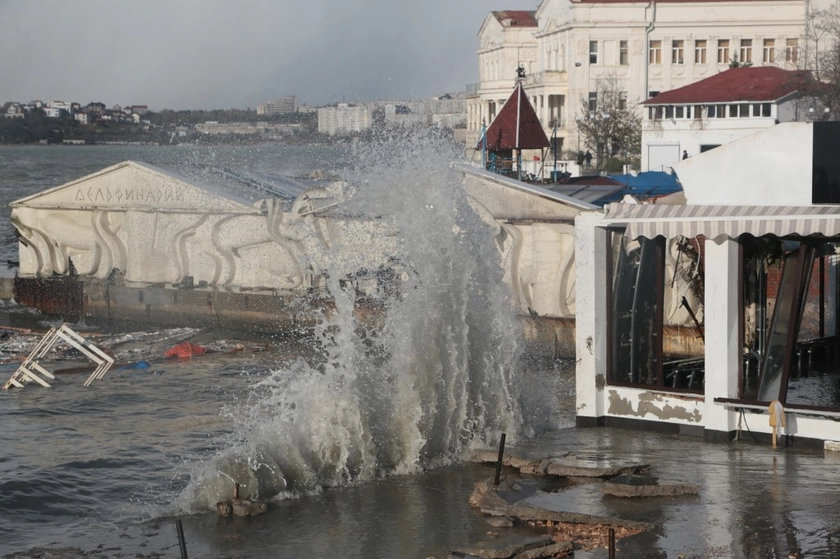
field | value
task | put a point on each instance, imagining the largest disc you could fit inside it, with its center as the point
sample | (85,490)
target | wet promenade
(754,502)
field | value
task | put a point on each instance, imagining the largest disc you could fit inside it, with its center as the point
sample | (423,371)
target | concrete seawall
(119,307)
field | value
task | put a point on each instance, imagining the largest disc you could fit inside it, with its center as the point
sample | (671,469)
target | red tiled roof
(516,18)
(760,83)
(502,132)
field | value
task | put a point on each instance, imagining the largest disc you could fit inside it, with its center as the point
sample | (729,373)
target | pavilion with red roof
(514,129)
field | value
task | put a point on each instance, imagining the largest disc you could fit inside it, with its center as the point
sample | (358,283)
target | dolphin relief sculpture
(265,245)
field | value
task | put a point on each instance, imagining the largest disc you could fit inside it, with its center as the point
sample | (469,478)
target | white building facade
(282,105)
(647,47)
(721,109)
(344,119)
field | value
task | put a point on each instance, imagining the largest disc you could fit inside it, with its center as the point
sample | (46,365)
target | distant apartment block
(56,112)
(278,106)
(344,119)
(58,109)
(444,111)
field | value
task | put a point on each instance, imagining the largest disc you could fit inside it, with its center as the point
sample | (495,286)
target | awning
(650,220)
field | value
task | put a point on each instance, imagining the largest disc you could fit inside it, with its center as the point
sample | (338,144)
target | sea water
(357,436)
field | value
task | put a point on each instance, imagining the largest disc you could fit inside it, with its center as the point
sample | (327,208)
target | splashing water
(433,380)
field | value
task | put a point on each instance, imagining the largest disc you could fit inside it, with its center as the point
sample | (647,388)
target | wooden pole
(499,461)
(182,544)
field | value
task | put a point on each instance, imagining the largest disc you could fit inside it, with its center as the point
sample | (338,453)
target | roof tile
(751,83)
(502,132)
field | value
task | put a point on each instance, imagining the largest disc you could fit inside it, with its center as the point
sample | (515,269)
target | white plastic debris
(31,370)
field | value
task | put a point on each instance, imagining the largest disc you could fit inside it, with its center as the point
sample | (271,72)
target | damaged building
(761,217)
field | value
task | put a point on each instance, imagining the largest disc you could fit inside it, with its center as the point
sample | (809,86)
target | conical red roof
(516,126)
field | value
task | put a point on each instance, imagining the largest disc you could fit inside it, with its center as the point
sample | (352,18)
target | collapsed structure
(762,214)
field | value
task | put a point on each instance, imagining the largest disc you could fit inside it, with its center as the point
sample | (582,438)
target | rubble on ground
(561,494)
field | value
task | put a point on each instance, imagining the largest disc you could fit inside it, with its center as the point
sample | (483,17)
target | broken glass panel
(784,326)
(636,324)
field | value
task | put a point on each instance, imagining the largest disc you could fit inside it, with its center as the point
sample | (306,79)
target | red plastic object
(185,350)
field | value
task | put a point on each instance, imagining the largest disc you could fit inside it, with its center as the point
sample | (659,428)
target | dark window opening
(790,339)
(649,304)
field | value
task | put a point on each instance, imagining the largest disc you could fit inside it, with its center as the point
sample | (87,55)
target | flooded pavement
(753,502)
(115,499)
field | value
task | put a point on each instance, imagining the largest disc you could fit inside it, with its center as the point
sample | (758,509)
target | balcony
(546,78)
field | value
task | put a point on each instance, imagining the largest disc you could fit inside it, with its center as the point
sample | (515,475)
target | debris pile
(240,507)
(566,496)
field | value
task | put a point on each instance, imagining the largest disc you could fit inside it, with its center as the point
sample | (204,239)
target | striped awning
(651,220)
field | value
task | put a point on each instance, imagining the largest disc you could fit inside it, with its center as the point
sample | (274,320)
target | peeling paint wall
(654,405)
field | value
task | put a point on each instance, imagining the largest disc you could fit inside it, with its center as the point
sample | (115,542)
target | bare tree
(821,55)
(609,124)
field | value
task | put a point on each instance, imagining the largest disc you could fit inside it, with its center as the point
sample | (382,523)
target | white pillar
(722,323)
(591,317)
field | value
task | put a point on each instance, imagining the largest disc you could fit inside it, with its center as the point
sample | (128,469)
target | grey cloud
(220,54)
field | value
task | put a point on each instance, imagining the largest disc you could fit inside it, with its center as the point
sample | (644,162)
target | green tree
(611,125)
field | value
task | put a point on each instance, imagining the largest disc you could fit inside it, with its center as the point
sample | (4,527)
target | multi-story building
(344,119)
(278,106)
(443,111)
(58,109)
(508,41)
(567,46)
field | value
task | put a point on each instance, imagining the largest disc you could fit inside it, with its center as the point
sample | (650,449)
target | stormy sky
(206,54)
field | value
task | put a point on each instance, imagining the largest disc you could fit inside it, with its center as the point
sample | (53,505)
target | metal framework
(30,369)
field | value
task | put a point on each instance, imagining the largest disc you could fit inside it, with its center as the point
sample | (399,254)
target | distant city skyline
(185,54)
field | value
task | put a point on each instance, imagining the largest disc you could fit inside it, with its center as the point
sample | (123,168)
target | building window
(622,53)
(700,51)
(677,52)
(679,112)
(769,54)
(717,111)
(792,50)
(655,54)
(593,101)
(723,51)
(593,52)
(746,51)
(622,100)
(635,331)
(637,355)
